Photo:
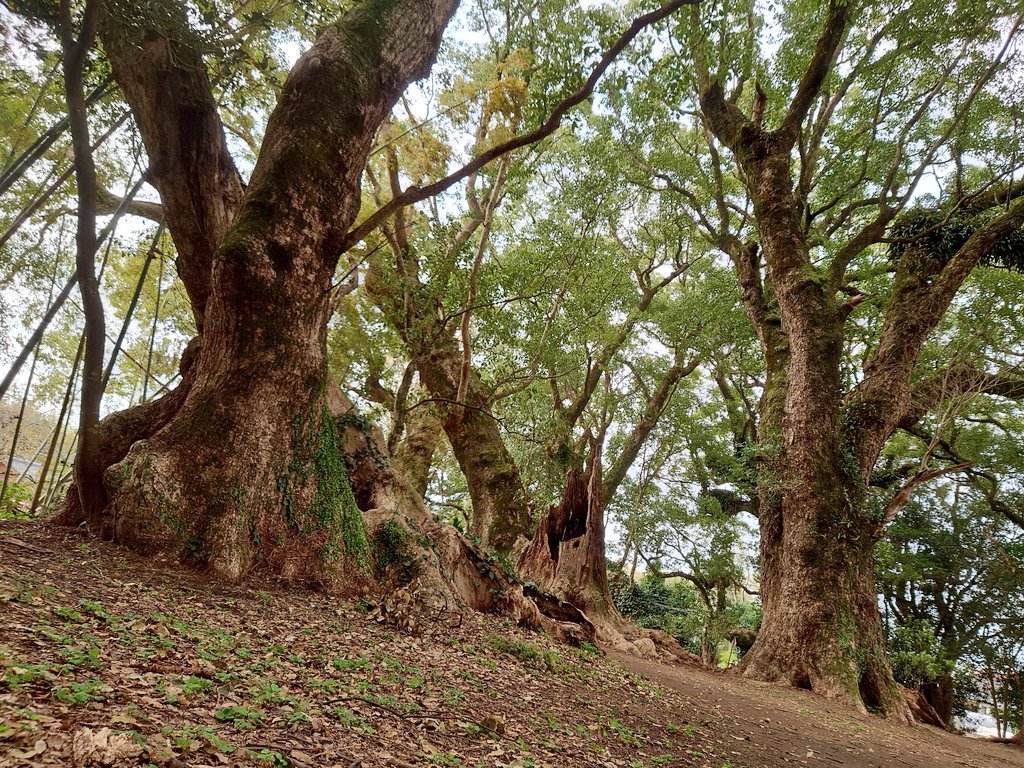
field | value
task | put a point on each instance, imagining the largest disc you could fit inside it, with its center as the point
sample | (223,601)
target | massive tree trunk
(820,628)
(249,469)
(164,81)
(817,448)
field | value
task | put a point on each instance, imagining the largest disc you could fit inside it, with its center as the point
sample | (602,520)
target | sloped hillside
(110,660)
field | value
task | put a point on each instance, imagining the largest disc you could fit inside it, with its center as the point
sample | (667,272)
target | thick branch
(814,77)
(915,309)
(902,496)
(415,194)
(641,431)
(957,382)
(108,203)
(166,85)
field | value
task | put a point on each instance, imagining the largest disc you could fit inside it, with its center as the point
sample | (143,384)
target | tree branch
(902,496)
(108,203)
(814,77)
(415,194)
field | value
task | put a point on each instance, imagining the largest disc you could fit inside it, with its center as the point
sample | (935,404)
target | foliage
(916,654)
(15,502)
(950,577)
(936,236)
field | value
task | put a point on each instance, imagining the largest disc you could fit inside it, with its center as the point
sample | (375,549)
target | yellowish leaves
(499,91)
(424,156)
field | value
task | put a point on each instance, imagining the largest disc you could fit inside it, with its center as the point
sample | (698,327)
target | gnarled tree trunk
(246,470)
(567,554)
(452,572)
(501,513)
(820,628)
(817,446)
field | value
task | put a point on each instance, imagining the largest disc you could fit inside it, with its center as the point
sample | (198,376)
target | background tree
(950,573)
(755,146)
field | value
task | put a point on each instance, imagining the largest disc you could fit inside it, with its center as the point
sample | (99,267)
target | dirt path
(763,726)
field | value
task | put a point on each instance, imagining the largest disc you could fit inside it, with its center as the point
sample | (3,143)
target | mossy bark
(821,628)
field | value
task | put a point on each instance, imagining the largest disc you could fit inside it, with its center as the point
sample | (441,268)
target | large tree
(800,161)
(820,441)
(240,463)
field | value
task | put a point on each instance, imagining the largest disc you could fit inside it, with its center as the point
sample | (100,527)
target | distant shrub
(916,654)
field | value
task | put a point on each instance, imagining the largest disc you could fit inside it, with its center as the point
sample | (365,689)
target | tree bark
(119,431)
(821,629)
(567,554)
(940,695)
(87,462)
(415,453)
(452,572)
(161,72)
(246,472)
(501,513)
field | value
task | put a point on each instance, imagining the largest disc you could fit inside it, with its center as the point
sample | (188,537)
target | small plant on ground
(242,718)
(527,653)
(82,693)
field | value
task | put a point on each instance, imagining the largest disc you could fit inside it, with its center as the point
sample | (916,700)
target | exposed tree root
(409,550)
(119,431)
(449,570)
(922,711)
(1017,740)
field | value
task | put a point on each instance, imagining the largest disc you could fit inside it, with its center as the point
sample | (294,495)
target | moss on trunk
(332,511)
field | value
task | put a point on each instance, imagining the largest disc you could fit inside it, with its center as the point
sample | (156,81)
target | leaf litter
(108,659)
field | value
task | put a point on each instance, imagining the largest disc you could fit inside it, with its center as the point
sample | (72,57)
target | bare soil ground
(773,726)
(107,659)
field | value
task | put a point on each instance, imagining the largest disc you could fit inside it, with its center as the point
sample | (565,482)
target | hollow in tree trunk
(567,554)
